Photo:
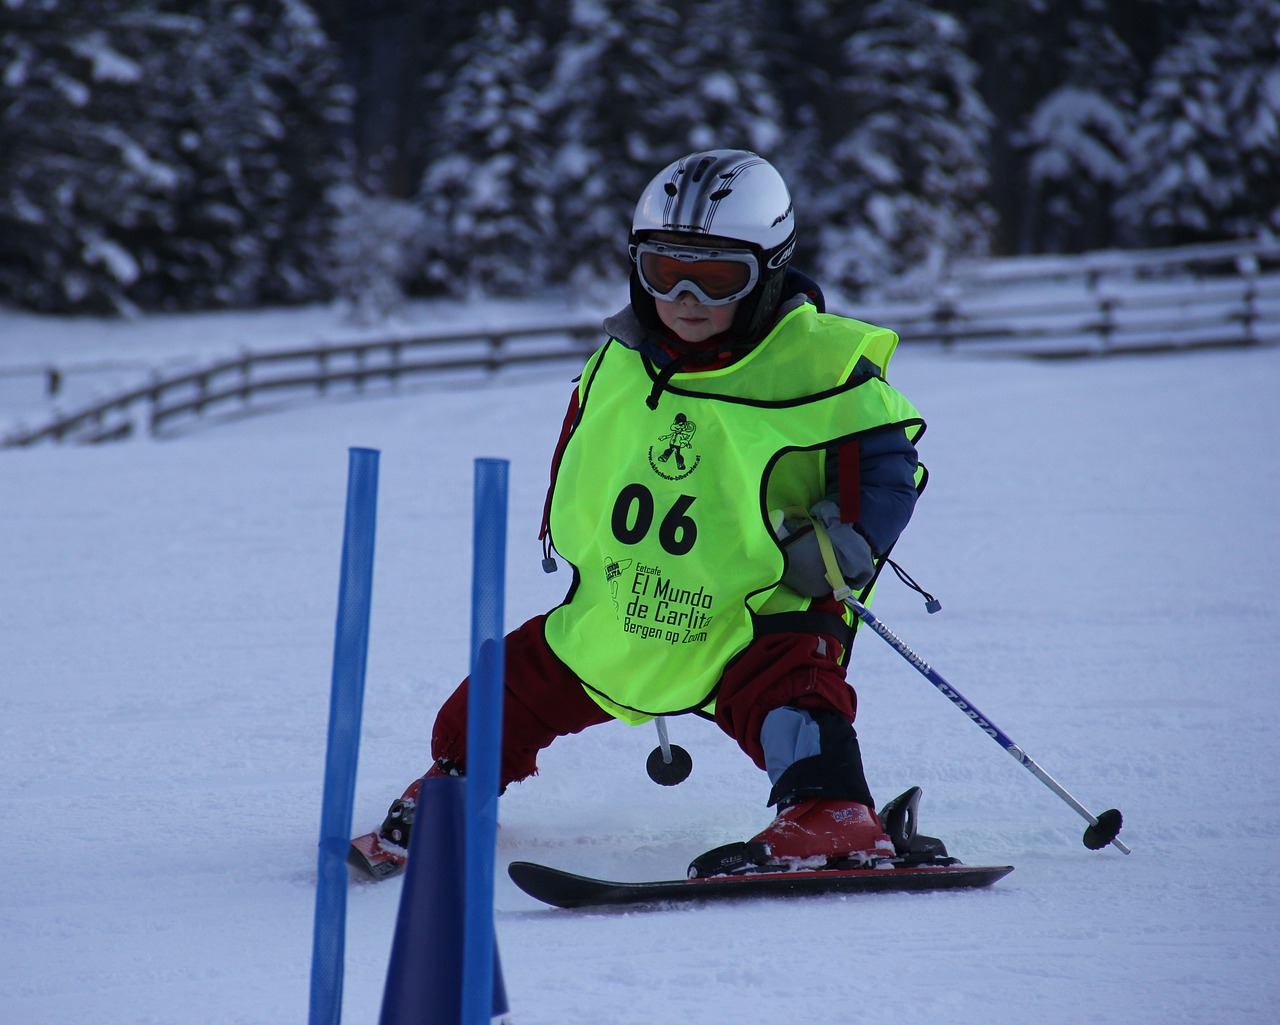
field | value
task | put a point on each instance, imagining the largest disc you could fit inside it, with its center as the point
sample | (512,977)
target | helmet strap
(757,310)
(644,305)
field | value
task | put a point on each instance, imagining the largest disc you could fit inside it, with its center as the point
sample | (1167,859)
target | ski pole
(1103,829)
(664,741)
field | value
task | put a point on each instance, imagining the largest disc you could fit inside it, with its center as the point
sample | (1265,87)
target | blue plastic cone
(424,978)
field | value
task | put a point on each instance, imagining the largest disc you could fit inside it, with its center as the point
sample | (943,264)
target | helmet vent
(670,188)
(719,194)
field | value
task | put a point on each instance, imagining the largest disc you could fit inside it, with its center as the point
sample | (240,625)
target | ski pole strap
(931,604)
(840,588)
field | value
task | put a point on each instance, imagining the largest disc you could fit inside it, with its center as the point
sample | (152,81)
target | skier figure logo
(679,440)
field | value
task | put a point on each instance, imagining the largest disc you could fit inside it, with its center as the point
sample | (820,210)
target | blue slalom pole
(346,702)
(444,967)
(484,741)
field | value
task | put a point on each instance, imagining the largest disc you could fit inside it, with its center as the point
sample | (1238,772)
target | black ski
(566,890)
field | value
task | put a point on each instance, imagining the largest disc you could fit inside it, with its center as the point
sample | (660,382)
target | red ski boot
(382,853)
(830,830)
(812,834)
(398,825)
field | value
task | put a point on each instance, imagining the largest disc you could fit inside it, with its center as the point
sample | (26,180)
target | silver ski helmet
(730,201)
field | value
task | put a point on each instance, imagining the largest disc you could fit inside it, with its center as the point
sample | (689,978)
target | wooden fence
(1096,304)
(231,384)
(1101,303)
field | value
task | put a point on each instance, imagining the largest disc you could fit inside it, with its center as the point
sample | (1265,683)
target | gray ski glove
(805,571)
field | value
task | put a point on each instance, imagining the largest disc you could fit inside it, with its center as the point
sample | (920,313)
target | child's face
(691,321)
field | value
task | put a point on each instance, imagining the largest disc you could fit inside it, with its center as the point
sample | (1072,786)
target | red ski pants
(544,699)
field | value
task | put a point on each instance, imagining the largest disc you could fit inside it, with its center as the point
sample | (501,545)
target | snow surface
(1102,534)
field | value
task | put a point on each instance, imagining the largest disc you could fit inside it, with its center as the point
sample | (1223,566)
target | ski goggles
(716,277)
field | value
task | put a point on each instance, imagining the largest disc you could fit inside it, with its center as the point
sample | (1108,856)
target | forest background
(197,154)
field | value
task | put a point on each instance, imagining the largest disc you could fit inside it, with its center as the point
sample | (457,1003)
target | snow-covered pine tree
(723,95)
(376,248)
(1253,94)
(1077,138)
(487,192)
(259,116)
(164,155)
(605,104)
(889,166)
(78,186)
(1015,45)
(1207,147)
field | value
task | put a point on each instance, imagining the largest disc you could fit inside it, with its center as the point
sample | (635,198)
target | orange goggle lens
(719,279)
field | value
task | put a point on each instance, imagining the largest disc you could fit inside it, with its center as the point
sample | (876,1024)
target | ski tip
(372,860)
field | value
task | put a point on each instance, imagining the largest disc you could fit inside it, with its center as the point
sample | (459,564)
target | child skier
(699,583)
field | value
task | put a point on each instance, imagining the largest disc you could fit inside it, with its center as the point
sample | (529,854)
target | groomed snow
(1103,536)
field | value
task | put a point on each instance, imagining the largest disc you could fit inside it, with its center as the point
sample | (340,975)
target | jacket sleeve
(886,486)
(868,524)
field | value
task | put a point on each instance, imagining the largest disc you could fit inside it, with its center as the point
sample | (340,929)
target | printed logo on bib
(676,445)
(661,609)
(613,571)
